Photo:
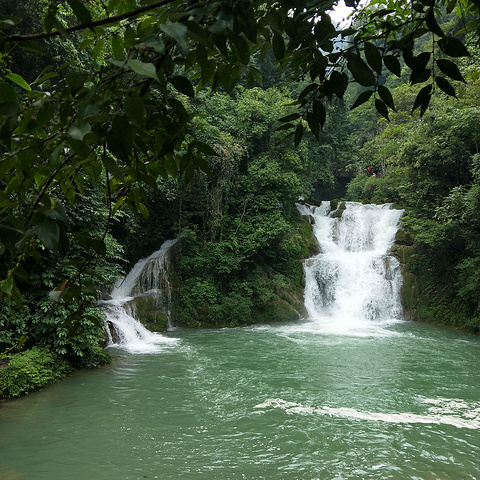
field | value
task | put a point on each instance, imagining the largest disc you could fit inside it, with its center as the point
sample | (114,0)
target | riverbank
(24,372)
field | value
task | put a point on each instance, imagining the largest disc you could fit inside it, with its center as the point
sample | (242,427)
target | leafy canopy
(119,120)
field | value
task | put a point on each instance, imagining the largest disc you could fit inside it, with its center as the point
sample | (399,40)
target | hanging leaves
(373,56)
(360,71)
(392,63)
(450,69)
(453,47)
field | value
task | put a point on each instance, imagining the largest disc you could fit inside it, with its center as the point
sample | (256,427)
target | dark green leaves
(362,98)
(80,11)
(278,46)
(450,69)
(9,104)
(423,99)
(453,47)
(134,108)
(142,68)
(177,31)
(444,85)
(183,85)
(386,96)
(373,56)
(381,108)
(360,71)
(392,64)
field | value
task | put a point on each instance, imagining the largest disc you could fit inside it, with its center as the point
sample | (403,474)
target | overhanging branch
(84,26)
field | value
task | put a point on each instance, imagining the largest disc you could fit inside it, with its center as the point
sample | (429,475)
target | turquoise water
(398,401)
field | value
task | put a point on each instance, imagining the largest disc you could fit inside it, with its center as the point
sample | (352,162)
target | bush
(29,370)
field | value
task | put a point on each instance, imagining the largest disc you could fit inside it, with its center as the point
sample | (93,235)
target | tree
(121,122)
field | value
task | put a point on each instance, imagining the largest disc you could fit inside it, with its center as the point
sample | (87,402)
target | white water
(149,276)
(353,285)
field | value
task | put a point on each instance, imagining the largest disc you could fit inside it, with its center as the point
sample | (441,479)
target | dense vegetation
(124,124)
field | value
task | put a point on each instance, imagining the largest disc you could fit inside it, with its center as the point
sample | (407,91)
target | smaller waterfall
(353,285)
(146,285)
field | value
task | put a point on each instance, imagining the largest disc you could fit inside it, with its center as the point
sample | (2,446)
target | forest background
(127,123)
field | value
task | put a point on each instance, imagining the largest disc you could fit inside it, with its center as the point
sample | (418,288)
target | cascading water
(147,281)
(353,285)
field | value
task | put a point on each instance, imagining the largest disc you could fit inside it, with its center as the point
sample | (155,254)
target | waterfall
(353,286)
(146,288)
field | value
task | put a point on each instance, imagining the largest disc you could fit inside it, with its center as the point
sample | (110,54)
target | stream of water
(348,393)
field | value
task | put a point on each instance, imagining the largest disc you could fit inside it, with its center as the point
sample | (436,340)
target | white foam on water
(456,419)
(132,336)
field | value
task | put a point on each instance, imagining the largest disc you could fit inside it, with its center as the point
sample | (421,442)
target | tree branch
(83,26)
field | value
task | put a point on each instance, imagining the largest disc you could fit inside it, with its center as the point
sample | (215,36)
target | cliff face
(425,296)
(404,251)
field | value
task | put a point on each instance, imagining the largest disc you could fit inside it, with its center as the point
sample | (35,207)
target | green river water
(401,401)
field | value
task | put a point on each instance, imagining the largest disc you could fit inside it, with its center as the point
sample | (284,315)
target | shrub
(31,369)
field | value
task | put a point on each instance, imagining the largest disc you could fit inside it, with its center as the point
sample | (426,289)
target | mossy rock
(403,237)
(334,204)
(150,311)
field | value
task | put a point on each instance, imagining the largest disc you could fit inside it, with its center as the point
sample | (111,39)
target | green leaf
(206,149)
(79,130)
(48,233)
(319,112)
(134,108)
(33,47)
(360,71)
(432,24)
(117,46)
(362,98)
(183,85)
(309,89)
(289,118)
(8,100)
(423,97)
(80,11)
(381,108)
(6,286)
(242,49)
(392,63)
(298,134)
(313,124)
(386,96)
(339,83)
(177,31)
(450,69)
(99,45)
(145,69)
(373,56)
(444,85)
(420,76)
(120,139)
(19,81)
(278,46)
(453,47)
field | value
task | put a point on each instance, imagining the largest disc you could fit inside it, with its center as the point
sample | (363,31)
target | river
(322,398)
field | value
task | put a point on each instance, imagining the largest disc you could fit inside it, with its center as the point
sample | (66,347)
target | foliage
(122,122)
(103,102)
(26,371)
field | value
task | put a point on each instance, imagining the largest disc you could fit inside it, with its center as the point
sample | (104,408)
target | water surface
(272,402)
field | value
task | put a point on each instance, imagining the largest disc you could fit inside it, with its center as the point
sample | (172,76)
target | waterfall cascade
(146,284)
(353,285)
